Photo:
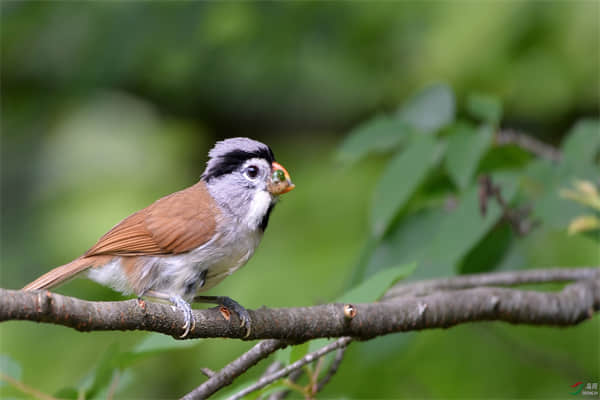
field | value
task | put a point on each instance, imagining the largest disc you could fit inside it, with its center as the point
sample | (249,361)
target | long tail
(60,274)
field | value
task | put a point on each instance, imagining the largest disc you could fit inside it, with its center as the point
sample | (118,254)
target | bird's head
(244,178)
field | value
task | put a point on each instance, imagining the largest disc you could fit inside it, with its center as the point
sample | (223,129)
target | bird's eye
(251,172)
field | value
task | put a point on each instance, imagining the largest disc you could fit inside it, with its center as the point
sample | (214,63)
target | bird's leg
(231,305)
(181,304)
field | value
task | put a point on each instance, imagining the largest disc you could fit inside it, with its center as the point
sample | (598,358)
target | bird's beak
(280,181)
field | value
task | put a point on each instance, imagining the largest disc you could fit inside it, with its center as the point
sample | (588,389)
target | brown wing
(173,224)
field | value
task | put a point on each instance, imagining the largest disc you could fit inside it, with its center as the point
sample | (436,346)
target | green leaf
(438,239)
(464,227)
(582,145)
(407,240)
(430,109)
(9,367)
(484,107)
(503,158)
(380,134)
(489,252)
(374,287)
(466,147)
(400,179)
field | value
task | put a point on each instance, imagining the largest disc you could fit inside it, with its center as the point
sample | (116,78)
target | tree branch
(439,303)
(398,312)
(508,278)
(266,380)
(234,369)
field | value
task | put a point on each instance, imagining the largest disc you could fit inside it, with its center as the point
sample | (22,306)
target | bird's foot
(188,316)
(179,303)
(232,305)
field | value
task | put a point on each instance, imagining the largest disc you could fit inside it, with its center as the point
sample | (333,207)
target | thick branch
(437,309)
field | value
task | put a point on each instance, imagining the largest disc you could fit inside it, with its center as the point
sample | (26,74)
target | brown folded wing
(174,224)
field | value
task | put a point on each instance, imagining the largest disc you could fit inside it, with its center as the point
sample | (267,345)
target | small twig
(528,143)
(24,388)
(209,373)
(314,376)
(264,381)
(294,386)
(516,217)
(333,368)
(273,367)
(235,368)
(292,378)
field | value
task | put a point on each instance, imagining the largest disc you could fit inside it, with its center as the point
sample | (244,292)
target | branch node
(209,373)
(349,311)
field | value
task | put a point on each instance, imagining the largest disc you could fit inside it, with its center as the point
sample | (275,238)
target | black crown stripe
(231,161)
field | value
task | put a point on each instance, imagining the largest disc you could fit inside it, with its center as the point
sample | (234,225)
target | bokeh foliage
(107,106)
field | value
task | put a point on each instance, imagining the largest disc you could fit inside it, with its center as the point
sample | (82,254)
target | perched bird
(189,241)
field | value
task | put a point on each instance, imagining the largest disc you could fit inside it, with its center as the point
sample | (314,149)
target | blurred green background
(107,106)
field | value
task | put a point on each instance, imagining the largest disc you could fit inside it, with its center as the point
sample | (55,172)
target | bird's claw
(241,312)
(231,305)
(188,316)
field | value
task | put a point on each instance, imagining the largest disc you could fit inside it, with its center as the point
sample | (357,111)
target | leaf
(466,147)
(430,109)
(504,157)
(489,252)
(407,241)
(484,107)
(374,287)
(463,228)
(9,367)
(380,134)
(400,179)
(582,144)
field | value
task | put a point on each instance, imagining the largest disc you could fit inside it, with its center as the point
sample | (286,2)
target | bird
(189,241)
